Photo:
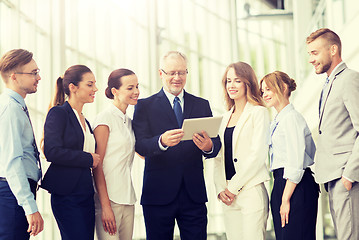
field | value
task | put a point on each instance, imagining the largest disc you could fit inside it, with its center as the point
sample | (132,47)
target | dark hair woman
(114,203)
(69,146)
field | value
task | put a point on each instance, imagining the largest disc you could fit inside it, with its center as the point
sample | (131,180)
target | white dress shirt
(120,151)
(171,98)
(291,145)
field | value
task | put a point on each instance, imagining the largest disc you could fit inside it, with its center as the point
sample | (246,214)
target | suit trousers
(344,207)
(246,217)
(124,216)
(75,215)
(303,207)
(13,222)
(191,218)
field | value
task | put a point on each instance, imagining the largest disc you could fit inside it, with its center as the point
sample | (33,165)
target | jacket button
(235,160)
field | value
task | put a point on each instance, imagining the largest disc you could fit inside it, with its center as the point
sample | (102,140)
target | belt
(33,185)
(279,172)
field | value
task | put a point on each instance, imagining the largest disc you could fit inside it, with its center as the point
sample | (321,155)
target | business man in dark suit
(173,182)
(337,156)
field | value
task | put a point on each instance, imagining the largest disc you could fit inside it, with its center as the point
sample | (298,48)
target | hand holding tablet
(196,125)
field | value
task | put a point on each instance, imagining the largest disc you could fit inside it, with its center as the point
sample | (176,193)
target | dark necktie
(36,151)
(178,111)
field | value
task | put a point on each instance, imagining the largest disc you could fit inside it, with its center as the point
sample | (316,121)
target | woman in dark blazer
(69,146)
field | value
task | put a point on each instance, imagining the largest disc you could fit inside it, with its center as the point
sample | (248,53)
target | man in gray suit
(337,156)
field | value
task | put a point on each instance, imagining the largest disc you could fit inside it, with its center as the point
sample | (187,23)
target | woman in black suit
(69,146)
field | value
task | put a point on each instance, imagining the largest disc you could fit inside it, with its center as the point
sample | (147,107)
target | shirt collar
(331,76)
(284,112)
(171,97)
(117,112)
(16,96)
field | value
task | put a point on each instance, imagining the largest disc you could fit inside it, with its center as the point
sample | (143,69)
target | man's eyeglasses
(33,73)
(172,74)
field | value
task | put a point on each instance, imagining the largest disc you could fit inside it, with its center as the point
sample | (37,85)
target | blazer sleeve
(350,98)
(219,174)
(216,147)
(146,144)
(216,141)
(254,159)
(55,148)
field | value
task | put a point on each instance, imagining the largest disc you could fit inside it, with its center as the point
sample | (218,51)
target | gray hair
(172,54)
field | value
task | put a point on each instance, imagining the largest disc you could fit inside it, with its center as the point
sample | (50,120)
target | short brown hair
(13,60)
(246,74)
(331,37)
(277,82)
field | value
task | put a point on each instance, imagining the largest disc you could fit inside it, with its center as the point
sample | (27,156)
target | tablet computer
(196,125)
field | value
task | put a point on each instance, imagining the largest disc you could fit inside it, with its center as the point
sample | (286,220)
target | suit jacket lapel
(165,105)
(187,105)
(73,119)
(241,121)
(337,72)
(225,120)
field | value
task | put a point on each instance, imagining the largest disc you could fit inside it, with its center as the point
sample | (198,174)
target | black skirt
(303,207)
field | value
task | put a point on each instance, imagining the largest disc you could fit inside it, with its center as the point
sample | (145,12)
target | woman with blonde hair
(240,168)
(294,198)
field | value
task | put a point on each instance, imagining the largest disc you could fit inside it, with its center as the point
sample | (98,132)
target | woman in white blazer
(240,168)
(115,196)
